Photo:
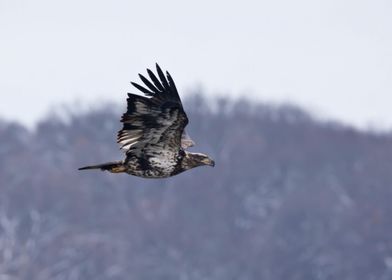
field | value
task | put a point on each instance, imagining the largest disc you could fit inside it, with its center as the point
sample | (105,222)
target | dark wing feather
(156,121)
(172,85)
(148,84)
(162,78)
(155,80)
(142,89)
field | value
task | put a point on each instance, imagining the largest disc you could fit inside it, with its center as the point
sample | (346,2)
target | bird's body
(153,134)
(154,165)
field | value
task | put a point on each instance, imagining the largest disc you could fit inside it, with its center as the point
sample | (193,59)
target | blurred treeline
(290,198)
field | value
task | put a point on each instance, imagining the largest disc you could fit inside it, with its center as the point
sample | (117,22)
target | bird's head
(192,160)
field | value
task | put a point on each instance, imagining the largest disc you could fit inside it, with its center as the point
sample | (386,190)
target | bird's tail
(114,167)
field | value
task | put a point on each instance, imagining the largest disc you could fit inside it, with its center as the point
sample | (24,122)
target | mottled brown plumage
(153,134)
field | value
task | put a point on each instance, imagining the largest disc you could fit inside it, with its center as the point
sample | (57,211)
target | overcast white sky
(334,57)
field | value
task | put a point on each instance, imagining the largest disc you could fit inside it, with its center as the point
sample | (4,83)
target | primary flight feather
(153,134)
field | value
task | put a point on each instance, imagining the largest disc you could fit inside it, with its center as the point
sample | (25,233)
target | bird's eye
(181,154)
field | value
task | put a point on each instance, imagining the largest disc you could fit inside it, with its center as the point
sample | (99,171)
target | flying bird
(153,135)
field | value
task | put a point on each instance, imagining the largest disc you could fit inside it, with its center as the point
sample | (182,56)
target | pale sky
(332,57)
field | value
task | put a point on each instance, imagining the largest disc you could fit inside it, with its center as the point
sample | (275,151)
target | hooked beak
(209,162)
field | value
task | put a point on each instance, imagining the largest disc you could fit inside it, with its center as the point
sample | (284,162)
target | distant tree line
(290,198)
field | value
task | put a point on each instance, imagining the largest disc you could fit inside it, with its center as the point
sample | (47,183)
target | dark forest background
(290,197)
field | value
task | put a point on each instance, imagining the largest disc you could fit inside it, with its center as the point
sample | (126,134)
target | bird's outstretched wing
(156,120)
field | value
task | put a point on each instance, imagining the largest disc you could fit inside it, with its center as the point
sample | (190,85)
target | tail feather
(114,167)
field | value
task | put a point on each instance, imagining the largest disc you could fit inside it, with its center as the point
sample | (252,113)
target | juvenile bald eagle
(153,134)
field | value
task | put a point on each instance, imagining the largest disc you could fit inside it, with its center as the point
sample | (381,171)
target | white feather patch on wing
(141,108)
(129,138)
(186,140)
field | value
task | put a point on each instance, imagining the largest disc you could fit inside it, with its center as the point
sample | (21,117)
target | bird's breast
(158,165)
